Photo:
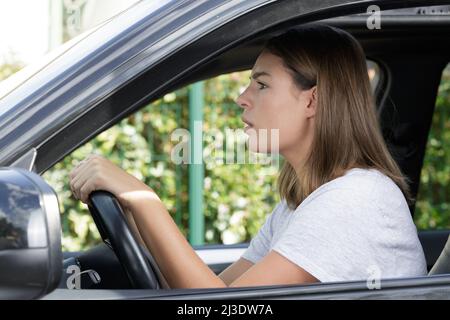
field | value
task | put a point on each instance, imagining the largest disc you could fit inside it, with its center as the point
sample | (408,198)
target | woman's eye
(261,85)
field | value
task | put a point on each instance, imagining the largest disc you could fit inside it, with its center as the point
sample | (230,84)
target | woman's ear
(312,105)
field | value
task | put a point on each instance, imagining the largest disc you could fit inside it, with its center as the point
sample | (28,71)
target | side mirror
(30,236)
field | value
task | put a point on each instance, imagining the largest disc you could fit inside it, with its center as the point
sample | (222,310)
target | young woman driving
(344,210)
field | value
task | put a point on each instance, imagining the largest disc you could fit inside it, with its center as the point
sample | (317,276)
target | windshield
(77,47)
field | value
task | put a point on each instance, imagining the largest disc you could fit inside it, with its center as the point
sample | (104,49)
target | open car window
(433,199)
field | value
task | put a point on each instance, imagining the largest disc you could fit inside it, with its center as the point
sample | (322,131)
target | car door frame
(429,287)
(54,147)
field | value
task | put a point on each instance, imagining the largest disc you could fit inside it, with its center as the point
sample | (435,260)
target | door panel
(433,242)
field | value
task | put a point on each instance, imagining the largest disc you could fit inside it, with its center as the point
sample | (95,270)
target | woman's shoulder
(361,180)
(281,208)
(375,184)
(358,184)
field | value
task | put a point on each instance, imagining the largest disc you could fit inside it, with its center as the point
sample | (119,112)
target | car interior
(410,50)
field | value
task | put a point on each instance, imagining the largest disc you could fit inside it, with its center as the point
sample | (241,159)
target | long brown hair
(347,133)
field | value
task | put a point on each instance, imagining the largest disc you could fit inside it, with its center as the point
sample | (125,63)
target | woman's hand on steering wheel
(98,173)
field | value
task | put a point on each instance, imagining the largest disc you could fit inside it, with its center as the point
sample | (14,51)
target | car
(154,48)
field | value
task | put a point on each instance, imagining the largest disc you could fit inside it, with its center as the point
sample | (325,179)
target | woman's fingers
(80,166)
(75,173)
(86,189)
(78,180)
(98,173)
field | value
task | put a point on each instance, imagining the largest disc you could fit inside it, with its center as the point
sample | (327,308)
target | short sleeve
(260,244)
(326,237)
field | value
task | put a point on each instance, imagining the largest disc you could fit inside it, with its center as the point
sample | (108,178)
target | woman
(344,212)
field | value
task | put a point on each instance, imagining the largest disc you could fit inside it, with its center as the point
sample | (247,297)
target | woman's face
(272,101)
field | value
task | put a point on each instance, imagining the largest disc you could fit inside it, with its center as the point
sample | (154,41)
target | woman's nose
(242,100)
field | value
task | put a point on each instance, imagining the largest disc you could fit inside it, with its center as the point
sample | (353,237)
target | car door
(72,100)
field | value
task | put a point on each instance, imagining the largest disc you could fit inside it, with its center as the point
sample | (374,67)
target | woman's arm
(235,270)
(135,230)
(179,263)
(177,260)
(183,268)
(228,275)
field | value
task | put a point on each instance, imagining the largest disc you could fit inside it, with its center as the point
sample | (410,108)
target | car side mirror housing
(30,235)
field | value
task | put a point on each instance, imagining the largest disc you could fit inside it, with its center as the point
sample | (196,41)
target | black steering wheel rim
(110,219)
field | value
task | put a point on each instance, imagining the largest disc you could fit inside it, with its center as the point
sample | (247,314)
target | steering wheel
(110,219)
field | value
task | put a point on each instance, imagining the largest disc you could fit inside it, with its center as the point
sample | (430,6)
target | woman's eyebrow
(259,74)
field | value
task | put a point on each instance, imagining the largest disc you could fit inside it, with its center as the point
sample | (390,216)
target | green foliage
(433,200)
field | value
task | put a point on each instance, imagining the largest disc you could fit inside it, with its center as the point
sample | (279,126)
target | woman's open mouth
(248,125)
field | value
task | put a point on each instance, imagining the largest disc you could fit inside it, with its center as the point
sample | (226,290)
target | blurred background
(220,203)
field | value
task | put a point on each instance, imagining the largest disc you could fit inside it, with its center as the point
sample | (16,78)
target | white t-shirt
(355,227)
